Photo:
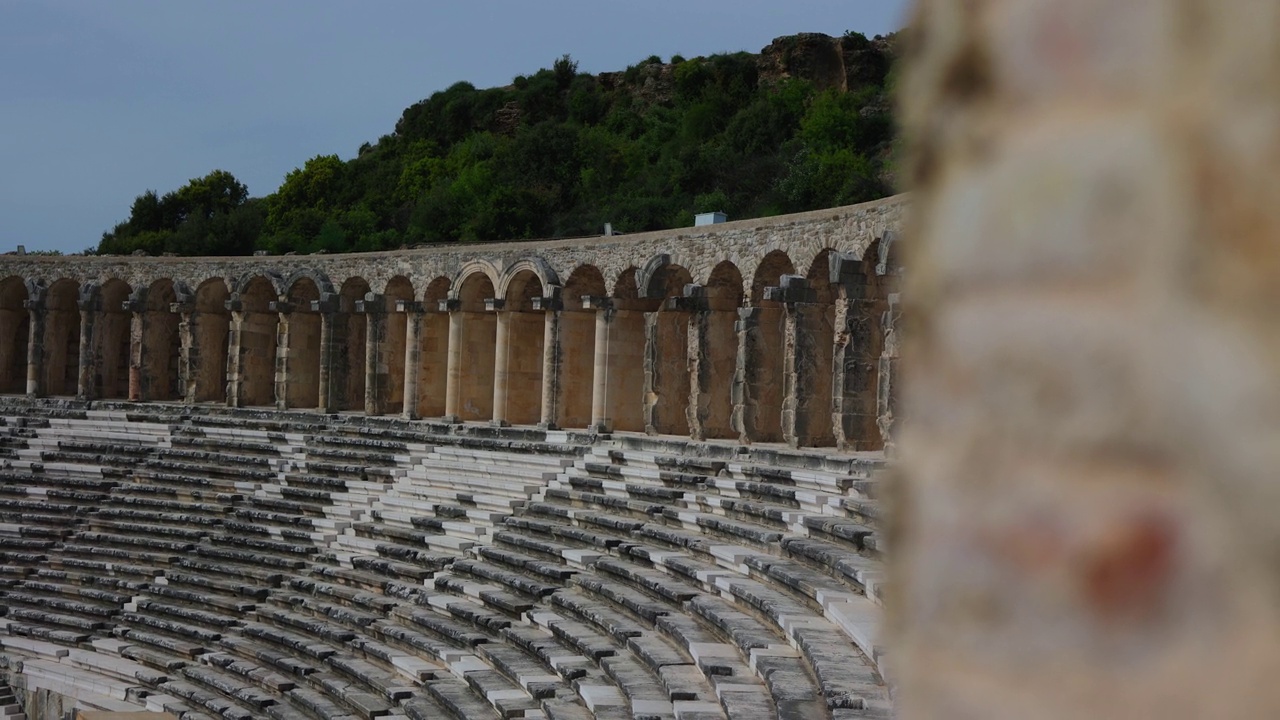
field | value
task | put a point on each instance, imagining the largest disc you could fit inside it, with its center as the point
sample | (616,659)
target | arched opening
(392,347)
(810,360)
(62,339)
(759,406)
(161,344)
(258,344)
(858,346)
(714,360)
(210,333)
(111,333)
(15,323)
(578,346)
(525,334)
(667,353)
(433,355)
(476,347)
(350,334)
(621,385)
(301,340)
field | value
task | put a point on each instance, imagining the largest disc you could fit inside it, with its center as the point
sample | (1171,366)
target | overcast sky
(100,101)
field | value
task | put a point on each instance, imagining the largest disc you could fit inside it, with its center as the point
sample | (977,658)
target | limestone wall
(1087,525)
(639,333)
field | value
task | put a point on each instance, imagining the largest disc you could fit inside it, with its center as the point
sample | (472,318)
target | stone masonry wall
(1087,526)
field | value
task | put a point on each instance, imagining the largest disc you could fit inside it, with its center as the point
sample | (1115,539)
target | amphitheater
(615,477)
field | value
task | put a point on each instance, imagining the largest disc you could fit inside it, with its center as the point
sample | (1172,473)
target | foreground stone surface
(1087,523)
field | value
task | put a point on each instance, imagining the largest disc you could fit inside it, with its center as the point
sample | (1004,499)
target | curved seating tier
(240,564)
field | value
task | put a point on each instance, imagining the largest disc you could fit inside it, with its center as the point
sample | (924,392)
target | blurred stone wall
(1089,516)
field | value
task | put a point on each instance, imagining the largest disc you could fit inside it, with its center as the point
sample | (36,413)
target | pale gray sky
(100,101)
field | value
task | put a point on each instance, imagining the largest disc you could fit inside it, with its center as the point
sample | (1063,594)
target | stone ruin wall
(759,330)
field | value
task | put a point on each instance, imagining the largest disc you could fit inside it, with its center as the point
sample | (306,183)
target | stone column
(887,379)
(501,373)
(605,312)
(235,352)
(90,304)
(744,380)
(285,310)
(374,307)
(806,396)
(327,306)
(453,388)
(139,383)
(35,305)
(413,312)
(553,381)
(188,347)
(858,341)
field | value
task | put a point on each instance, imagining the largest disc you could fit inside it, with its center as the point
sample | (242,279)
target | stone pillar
(807,338)
(376,373)
(453,389)
(887,380)
(285,310)
(605,312)
(413,312)
(667,387)
(1087,522)
(327,306)
(90,304)
(188,347)
(139,383)
(235,352)
(745,381)
(553,368)
(501,371)
(35,305)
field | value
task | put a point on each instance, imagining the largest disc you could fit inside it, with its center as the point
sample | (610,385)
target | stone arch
(350,335)
(392,347)
(472,358)
(713,352)
(323,285)
(111,341)
(521,340)
(15,330)
(159,354)
(274,282)
(254,370)
(575,360)
(432,350)
(862,292)
(521,269)
(666,362)
(761,346)
(625,286)
(210,331)
(618,396)
(809,357)
(299,343)
(467,277)
(585,280)
(61,371)
(768,272)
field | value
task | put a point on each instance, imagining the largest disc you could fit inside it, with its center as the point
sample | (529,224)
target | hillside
(804,124)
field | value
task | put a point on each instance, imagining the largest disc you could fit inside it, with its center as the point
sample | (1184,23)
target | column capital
(410,306)
(450,305)
(282,306)
(372,304)
(134,305)
(791,289)
(328,303)
(494,304)
(184,307)
(548,303)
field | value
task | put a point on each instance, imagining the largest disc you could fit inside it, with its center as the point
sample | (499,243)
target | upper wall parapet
(745,243)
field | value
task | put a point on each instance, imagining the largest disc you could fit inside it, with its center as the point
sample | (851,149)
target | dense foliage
(559,153)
